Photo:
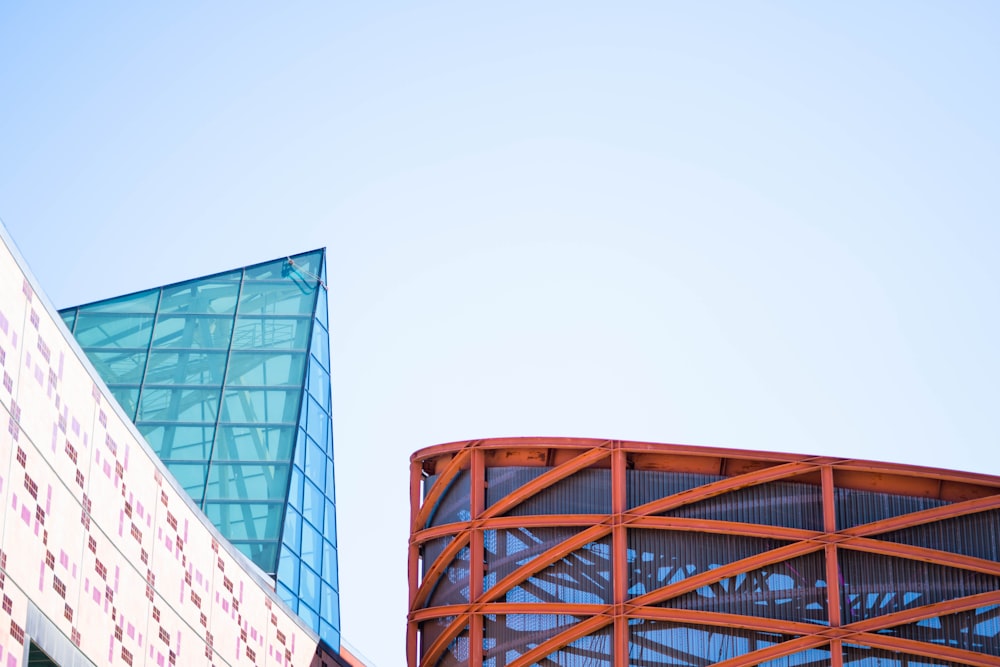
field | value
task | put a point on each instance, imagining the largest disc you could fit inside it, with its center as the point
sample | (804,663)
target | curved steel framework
(559,551)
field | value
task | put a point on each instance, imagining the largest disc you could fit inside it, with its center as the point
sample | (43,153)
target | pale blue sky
(757,225)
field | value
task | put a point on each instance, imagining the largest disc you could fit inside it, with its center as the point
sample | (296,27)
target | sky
(757,225)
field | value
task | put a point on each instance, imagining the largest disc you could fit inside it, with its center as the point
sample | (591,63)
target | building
(570,552)
(105,557)
(227,377)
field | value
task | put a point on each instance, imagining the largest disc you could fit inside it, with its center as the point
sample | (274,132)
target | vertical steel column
(619,555)
(413,561)
(477,553)
(832,568)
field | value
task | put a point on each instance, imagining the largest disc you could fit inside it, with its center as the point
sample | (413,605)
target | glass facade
(228,379)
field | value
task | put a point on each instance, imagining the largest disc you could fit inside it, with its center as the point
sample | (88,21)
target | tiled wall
(94,534)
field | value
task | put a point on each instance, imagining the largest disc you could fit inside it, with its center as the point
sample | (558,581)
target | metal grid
(559,551)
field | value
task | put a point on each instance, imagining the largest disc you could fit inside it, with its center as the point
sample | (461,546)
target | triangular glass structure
(228,379)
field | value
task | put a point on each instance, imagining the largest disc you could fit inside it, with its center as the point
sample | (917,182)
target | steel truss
(644,585)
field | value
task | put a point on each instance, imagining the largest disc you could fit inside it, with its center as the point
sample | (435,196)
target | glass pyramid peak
(228,378)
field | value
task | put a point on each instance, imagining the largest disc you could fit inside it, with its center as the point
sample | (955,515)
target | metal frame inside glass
(228,378)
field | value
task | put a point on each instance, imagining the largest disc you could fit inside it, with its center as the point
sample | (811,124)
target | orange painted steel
(471,592)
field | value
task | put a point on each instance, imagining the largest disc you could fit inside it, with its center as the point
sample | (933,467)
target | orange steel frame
(967,493)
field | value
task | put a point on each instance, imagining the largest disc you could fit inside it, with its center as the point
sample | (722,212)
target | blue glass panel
(178,405)
(113,331)
(300,448)
(330,522)
(68,317)
(289,598)
(319,381)
(309,264)
(186,368)
(211,295)
(271,333)
(305,265)
(247,481)
(329,600)
(330,563)
(293,530)
(312,546)
(140,302)
(262,554)
(127,398)
(191,477)
(333,616)
(295,488)
(320,346)
(255,406)
(308,615)
(312,503)
(315,462)
(254,443)
(321,306)
(309,587)
(246,521)
(192,331)
(266,369)
(328,634)
(193,443)
(318,422)
(277,298)
(119,366)
(288,569)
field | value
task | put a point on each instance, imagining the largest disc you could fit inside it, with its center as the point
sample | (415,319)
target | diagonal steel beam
(545,480)
(723,486)
(696,581)
(924,516)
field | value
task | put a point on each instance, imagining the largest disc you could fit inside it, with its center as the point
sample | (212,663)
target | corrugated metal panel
(453,584)
(453,506)
(791,591)
(505,638)
(974,630)
(594,650)
(814,657)
(582,577)
(658,643)
(431,550)
(508,549)
(645,486)
(501,482)
(865,656)
(875,585)
(457,653)
(431,630)
(976,535)
(856,508)
(585,492)
(660,557)
(788,504)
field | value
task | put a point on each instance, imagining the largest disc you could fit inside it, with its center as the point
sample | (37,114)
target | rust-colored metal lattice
(561,551)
